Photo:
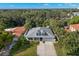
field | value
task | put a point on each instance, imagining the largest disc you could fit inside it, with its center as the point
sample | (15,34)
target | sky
(38,5)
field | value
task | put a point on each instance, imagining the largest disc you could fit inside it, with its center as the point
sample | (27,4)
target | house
(40,34)
(17,31)
(75,13)
(71,15)
(73,27)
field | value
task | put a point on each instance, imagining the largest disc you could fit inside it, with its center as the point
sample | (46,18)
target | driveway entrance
(46,49)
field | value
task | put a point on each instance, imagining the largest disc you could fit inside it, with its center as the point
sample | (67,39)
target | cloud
(45,4)
(59,5)
(73,5)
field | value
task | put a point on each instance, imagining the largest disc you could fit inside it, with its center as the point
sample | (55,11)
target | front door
(41,39)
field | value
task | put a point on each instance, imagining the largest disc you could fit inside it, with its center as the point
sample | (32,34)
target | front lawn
(32,51)
(60,51)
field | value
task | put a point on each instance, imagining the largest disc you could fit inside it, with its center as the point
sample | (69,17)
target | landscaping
(24,45)
(32,51)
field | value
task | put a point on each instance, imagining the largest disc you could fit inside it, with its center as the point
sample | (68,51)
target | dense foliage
(12,18)
(5,39)
(74,20)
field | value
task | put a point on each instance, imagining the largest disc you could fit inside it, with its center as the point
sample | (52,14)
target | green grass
(60,51)
(32,51)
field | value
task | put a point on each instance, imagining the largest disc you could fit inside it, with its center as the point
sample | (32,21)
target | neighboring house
(40,34)
(17,31)
(71,15)
(73,27)
(75,13)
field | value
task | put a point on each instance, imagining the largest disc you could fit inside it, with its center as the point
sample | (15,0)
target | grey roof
(39,32)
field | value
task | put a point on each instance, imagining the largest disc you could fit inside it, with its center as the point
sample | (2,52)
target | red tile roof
(75,26)
(17,31)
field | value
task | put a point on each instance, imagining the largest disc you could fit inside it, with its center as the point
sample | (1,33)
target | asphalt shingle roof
(33,33)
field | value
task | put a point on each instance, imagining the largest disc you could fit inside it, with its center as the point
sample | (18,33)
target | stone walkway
(46,49)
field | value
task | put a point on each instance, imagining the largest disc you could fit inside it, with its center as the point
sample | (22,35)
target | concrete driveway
(46,49)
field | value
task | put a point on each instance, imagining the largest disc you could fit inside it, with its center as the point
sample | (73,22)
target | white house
(40,34)
(75,13)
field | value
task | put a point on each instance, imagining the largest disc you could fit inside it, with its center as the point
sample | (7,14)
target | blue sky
(38,5)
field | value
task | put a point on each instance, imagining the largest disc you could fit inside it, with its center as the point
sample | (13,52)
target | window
(41,32)
(38,33)
(44,33)
(30,38)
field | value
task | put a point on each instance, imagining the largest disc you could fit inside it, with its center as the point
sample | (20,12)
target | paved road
(46,49)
